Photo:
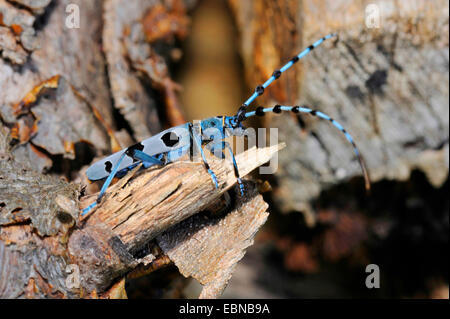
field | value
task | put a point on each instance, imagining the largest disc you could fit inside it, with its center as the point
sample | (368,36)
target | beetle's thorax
(220,127)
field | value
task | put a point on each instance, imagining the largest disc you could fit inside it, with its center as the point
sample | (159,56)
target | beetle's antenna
(276,74)
(260,111)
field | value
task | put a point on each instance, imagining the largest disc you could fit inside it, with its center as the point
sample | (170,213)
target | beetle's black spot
(295,59)
(277,109)
(311,47)
(130,150)
(170,139)
(313,112)
(108,166)
(296,109)
(259,111)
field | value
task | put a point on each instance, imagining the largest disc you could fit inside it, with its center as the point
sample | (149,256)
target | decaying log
(36,214)
(64,91)
(103,245)
(134,64)
(129,94)
(58,86)
(387,84)
(76,56)
(137,210)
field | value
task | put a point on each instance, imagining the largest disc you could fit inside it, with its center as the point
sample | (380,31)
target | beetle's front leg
(217,150)
(196,139)
(146,159)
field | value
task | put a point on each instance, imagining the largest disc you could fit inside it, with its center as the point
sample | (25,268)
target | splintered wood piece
(151,203)
(208,248)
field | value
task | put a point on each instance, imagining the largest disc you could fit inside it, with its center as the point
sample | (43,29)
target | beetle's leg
(146,159)
(236,170)
(221,146)
(196,140)
(176,154)
(105,185)
(217,149)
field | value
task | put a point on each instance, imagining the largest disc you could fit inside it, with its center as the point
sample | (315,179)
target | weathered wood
(17,33)
(136,69)
(129,94)
(140,210)
(136,210)
(36,214)
(75,55)
(388,86)
(102,246)
(208,248)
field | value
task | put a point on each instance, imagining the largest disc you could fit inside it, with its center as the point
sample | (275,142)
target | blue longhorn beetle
(169,145)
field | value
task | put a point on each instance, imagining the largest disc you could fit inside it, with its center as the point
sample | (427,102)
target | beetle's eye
(213,123)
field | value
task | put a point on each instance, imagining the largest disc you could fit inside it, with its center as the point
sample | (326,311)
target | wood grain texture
(387,85)
(76,55)
(129,94)
(138,210)
(137,71)
(208,248)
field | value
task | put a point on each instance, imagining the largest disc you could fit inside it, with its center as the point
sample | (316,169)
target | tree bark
(42,234)
(60,88)
(386,84)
